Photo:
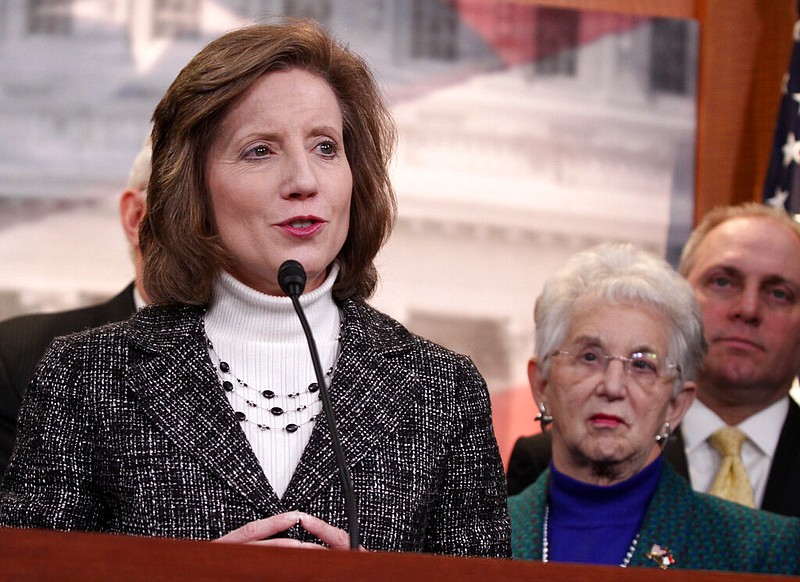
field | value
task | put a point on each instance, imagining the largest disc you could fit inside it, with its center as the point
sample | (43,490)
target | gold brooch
(661,556)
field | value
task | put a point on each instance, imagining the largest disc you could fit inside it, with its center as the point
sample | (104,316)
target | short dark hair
(181,251)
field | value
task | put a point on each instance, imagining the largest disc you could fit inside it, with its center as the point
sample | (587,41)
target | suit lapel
(675,453)
(781,495)
(178,390)
(370,397)
(120,307)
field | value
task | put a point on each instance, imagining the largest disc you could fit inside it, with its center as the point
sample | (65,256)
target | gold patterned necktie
(732,481)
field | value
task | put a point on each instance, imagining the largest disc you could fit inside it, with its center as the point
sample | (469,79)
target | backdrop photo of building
(526,133)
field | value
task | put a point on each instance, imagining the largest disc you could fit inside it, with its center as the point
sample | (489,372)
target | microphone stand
(293,287)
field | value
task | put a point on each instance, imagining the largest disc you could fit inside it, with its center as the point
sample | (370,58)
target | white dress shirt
(763,430)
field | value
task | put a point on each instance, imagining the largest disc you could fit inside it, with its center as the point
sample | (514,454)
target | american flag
(782,184)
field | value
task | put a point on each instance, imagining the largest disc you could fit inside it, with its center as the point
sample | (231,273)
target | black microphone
(292,279)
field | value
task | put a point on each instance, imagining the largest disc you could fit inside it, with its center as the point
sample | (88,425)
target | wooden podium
(39,555)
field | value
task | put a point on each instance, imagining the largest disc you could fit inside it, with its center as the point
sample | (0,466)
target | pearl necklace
(546,545)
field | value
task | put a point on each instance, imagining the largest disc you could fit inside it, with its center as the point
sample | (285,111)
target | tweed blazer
(703,532)
(126,429)
(23,341)
(531,456)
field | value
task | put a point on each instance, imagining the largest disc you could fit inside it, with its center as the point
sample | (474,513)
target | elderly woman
(200,417)
(619,339)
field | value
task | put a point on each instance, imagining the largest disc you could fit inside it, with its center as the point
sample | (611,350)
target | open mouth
(303,226)
(302,223)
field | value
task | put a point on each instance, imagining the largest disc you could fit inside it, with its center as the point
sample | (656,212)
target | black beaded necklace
(277,404)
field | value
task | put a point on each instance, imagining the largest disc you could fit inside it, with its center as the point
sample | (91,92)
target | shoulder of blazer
(675,453)
(374,341)
(706,532)
(34,331)
(119,307)
(529,458)
(157,328)
(364,323)
(783,482)
(153,329)
(25,338)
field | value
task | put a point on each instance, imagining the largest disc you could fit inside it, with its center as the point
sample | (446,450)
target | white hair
(139,176)
(620,274)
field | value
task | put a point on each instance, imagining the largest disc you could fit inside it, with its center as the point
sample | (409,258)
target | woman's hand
(261,530)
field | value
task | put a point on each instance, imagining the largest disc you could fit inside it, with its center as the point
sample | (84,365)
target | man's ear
(131,209)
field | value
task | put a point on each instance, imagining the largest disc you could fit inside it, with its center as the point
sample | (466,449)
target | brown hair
(181,251)
(722,214)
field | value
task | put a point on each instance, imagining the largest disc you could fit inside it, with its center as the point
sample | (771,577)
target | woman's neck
(602,473)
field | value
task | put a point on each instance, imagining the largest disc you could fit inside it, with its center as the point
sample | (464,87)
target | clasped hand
(261,531)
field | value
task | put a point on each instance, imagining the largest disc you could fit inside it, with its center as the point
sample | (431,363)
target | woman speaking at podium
(201,417)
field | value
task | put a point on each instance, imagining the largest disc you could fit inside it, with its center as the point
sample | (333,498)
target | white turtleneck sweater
(261,339)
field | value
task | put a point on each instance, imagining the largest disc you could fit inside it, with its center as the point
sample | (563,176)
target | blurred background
(527,132)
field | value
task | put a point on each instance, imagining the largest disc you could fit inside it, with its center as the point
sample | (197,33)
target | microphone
(292,279)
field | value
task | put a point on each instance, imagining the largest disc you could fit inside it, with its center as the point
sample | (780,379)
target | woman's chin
(608,451)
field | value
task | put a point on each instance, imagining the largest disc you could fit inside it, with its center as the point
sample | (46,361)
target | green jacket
(702,532)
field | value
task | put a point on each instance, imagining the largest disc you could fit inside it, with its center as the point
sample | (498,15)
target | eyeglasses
(644,367)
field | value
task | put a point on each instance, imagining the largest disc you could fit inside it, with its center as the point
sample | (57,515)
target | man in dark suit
(744,264)
(25,338)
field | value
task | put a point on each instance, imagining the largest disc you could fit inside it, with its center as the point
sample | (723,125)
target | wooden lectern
(39,555)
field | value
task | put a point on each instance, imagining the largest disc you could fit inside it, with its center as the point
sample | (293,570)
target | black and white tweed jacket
(126,429)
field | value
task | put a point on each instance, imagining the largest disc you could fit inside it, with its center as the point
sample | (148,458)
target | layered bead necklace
(260,357)
(302,407)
